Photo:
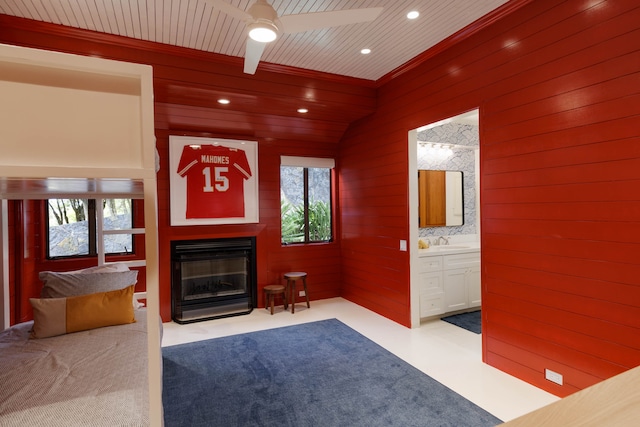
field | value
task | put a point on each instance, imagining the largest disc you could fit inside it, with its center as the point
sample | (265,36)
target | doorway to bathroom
(444,217)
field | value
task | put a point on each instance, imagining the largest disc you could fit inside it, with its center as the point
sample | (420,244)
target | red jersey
(215,180)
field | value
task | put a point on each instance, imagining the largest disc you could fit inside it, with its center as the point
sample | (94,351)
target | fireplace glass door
(213,278)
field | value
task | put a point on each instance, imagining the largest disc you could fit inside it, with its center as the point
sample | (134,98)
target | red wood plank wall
(14,292)
(263,108)
(28,245)
(557,84)
(24,245)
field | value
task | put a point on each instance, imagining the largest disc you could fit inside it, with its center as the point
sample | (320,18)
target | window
(305,199)
(72,224)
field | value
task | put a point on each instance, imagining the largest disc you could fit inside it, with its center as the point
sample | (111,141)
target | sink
(448,247)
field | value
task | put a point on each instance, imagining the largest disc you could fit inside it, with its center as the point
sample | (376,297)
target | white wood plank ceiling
(392,38)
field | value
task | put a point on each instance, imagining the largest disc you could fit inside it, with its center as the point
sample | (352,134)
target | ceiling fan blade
(230,10)
(334,18)
(252,55)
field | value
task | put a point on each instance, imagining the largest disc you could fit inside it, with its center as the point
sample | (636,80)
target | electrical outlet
(553,376)
(302,293)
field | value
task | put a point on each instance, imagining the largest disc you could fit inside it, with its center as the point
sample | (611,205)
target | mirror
(440,200)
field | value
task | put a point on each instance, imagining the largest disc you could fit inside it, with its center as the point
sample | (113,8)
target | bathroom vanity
(449,278)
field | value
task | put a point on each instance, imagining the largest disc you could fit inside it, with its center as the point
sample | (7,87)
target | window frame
(92,230)
(307,163)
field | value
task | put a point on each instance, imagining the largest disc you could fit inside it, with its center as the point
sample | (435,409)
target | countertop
(453,248)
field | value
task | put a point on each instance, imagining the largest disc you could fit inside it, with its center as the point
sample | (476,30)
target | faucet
(445,239)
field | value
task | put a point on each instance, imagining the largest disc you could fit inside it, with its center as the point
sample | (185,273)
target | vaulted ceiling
(197,24)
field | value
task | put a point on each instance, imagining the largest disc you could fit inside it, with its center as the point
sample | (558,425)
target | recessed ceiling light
(223,101)
(365,51)
(302,110)
(413,14)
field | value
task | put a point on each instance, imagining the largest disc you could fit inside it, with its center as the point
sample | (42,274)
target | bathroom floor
(447,353)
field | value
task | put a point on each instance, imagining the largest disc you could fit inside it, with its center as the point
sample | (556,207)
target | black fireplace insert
(212,278)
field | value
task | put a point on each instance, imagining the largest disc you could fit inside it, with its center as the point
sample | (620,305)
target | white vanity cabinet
(431,286)
(449,282)
(461,281)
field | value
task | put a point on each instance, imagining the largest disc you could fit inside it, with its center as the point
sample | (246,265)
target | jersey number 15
(220,181)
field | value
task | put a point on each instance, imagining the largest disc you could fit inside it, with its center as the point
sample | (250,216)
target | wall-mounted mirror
(440,198)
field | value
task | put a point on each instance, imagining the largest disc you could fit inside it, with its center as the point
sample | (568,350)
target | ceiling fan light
(263,32)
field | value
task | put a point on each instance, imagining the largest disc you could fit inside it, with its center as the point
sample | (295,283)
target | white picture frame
(213,181)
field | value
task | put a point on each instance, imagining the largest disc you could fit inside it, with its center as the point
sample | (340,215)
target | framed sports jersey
(213,181)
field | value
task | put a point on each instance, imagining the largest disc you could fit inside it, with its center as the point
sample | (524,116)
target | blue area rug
(470,321)
(316,374)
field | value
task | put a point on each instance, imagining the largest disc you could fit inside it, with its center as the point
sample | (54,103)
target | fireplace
(212,278)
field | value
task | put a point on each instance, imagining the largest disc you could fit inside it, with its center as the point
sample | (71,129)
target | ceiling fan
(265,25)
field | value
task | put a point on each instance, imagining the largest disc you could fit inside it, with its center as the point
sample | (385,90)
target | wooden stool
(291,279)
(270,293)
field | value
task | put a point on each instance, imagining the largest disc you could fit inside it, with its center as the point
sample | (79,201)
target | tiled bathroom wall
(452,147)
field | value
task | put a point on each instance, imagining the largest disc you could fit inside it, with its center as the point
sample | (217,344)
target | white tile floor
(449,354)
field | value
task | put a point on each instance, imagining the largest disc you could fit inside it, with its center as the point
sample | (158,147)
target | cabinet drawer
(431,305)
(462,260)
(430,283)
(430,263)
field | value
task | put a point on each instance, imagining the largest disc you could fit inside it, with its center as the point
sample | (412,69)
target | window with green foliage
(305,204)
(72,223)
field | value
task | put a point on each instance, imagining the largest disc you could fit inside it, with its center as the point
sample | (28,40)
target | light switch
(403,245)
